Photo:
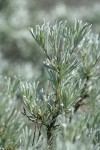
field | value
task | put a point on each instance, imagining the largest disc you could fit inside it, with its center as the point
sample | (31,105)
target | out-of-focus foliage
(10,122)
(20,55)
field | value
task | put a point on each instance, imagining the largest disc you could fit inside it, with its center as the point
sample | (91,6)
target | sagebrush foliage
(72,63)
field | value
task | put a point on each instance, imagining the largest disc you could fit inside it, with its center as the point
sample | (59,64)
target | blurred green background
(19,54)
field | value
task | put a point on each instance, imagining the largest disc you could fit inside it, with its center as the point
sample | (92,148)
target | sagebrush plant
(72,63)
